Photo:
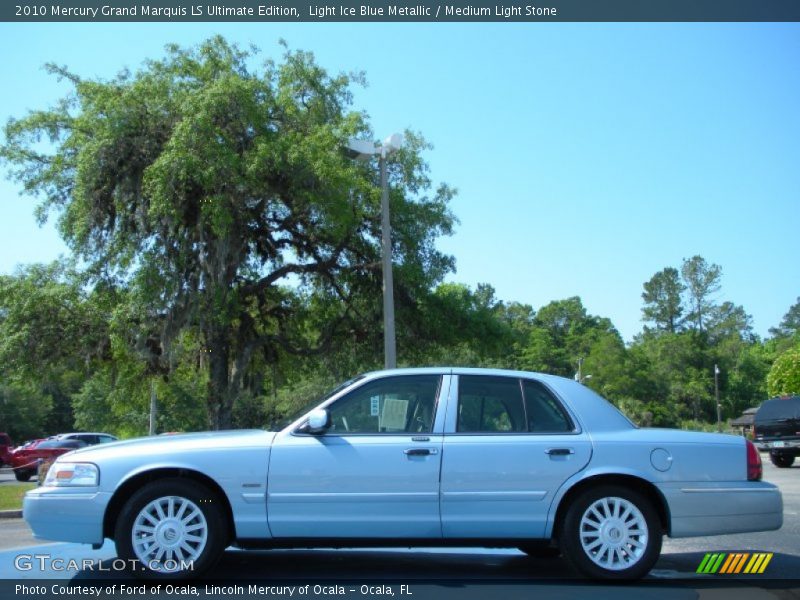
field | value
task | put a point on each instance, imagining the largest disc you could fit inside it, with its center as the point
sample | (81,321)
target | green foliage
(702,282)
(694,425)
(202,186)
(24,410)
(787,334)
(230,256)
(662,300)
(563,332)
(784,376)
(52,332)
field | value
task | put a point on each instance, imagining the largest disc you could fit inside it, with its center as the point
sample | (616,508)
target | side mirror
(318,421)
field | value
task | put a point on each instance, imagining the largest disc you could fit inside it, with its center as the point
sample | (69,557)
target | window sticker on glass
(374,406)
(394,413)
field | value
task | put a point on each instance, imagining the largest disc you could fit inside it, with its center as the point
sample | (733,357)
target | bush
(784,376)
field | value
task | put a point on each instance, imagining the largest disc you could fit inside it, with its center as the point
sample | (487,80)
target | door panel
(374,474)
(355,486)
(498,486)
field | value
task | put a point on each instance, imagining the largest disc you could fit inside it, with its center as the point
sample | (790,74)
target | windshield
(280,423)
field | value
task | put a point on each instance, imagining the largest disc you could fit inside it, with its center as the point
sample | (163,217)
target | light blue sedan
(414,457)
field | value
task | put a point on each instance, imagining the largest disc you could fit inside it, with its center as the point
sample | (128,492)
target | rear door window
(545,414)
(489,405)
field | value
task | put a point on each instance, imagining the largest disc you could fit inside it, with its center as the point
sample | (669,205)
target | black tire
(175,533)
(540,550)
(782,461)
(630,543)
(23,475)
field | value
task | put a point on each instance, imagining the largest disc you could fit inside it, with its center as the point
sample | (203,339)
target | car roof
(783,406)
(63,435)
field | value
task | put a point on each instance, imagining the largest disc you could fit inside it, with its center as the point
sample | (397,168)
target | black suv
(777,427)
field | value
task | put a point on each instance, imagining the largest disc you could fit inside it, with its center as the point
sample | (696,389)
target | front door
(374,473)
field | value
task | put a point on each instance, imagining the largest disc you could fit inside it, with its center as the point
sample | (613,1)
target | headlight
(62,474)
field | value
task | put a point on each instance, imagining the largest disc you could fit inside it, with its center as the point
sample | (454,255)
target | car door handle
(420,451)
(559,451)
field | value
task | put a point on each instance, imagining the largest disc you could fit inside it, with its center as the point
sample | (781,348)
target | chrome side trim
(535,495)
(254,497)
(307,495)
(725,490)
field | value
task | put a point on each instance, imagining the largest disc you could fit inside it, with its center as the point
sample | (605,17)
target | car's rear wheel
(23,475)
(611,532)
(171,529)
(783,461)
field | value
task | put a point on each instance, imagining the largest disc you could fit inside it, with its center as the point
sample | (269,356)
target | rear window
(61,444)
(779,408)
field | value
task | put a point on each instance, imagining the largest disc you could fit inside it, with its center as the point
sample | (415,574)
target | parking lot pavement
(679,561)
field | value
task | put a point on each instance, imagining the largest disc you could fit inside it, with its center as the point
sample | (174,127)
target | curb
(11,514)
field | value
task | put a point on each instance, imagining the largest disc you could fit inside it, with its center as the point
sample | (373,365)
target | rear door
(509,444)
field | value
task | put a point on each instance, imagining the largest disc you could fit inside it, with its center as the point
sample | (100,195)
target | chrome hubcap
(168,533)
(613,533)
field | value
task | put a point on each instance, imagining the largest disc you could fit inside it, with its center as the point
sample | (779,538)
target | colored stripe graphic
(767,558)
(727,564)
(711,563)
(734,563)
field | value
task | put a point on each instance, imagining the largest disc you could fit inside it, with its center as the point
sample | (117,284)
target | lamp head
(361,149)
(392,143)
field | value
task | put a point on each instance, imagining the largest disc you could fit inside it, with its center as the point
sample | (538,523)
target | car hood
(178,443)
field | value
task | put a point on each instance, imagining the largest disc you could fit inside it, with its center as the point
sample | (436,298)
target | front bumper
(717,508)
(66,514)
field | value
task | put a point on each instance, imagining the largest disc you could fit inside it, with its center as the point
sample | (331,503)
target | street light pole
(716,396)
(364,150)
(389,339)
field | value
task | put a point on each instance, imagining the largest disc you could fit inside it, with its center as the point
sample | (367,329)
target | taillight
(754,468)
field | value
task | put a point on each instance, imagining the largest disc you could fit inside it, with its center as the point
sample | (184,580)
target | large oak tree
(219,196)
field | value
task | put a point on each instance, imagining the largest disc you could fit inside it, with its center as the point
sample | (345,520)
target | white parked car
(414,457)
(89,438)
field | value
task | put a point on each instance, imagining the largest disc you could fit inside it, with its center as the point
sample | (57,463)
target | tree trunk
(218,399)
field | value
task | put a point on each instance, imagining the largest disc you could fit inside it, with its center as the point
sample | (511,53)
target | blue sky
(587,156)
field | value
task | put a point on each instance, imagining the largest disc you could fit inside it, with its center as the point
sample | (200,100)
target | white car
(89,438)
(414,457)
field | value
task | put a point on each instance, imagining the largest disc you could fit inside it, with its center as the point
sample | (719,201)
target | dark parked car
(777,427)
(5,447)
(25,460)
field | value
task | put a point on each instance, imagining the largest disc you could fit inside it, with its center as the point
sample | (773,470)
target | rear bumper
(66,515)
(704,508)
(788,446)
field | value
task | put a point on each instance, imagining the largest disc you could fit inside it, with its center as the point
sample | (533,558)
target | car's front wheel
(783,461)
(171,529)
(611,532)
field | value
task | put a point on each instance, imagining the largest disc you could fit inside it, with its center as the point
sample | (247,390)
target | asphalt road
(470,570)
